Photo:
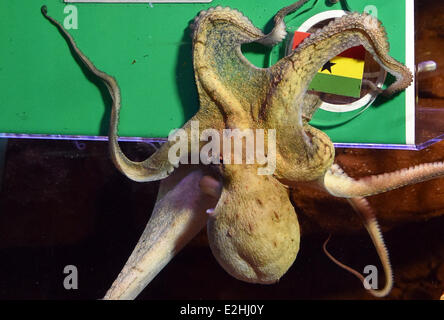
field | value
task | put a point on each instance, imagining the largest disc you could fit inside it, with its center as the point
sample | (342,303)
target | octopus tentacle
(310,104)
(220,66)
(279,32)
(363,208)
(292,76)
(154,168)
(374,40)
(210,186)
(345,32)
(175,221)
(224,76)
(337,183)
(248,32)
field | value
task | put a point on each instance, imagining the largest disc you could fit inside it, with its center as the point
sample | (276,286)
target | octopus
(253,229)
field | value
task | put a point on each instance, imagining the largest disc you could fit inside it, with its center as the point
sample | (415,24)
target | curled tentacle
(292,75)
(279,32)
(363,208)
(364,29)
(348,31)
(337,183)
(154,168)
(251,33)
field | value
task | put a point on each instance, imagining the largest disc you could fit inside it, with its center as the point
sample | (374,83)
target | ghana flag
(342,75)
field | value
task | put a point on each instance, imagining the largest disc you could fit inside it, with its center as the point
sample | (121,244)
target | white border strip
(410,63)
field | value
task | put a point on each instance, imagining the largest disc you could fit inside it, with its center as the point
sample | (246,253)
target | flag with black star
(327,66)
(342,75)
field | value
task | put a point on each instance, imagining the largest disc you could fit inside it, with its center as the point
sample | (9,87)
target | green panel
(330,83)
(148,50)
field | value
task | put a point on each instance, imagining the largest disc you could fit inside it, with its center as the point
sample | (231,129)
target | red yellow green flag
(342,75)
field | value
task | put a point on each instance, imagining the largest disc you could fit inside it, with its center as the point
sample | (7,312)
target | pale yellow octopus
(252,226)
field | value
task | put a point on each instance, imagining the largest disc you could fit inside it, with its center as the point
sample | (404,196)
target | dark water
(63,206)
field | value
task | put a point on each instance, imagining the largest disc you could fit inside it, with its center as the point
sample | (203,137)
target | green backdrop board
(147,48)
